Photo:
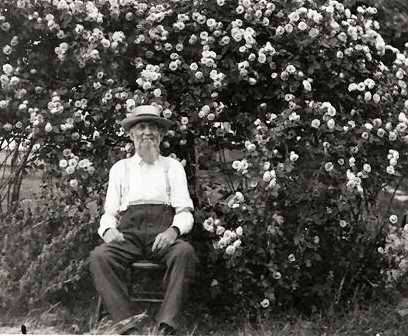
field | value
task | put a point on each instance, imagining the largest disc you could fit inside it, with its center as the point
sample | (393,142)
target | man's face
(146,137)
(145,132)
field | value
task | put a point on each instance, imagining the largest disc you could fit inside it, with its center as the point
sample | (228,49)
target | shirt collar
(138,160)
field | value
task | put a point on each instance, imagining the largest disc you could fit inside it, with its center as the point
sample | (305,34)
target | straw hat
(145,113)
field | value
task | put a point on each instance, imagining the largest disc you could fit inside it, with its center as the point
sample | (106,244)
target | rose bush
(288,117)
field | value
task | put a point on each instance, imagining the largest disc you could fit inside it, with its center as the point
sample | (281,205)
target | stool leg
(130,274)
(98,310)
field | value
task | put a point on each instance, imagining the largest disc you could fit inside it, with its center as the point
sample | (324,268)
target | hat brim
(129,122)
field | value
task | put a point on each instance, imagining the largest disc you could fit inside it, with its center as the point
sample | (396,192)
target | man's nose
(148,130)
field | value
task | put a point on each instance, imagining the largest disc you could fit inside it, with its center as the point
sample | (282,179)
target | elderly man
(147,209)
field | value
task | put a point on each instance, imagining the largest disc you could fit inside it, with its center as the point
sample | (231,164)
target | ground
(17,330)
(380,318)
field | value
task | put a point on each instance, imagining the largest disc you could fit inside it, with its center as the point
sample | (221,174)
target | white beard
(148,150)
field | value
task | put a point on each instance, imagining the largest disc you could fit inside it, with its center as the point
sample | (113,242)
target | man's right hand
(113,235)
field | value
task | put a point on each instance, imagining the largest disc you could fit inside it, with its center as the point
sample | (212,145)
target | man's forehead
(146,123)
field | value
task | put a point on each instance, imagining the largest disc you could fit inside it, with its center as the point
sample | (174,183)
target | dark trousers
(140,225)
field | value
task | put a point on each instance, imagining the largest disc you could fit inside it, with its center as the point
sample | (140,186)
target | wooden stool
(141,267)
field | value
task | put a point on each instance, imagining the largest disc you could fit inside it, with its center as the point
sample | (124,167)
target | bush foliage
(290,117)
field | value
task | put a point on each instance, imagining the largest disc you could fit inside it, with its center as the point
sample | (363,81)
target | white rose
(236,164)
(130,104)
(70,170)
(230,249)
(306,85)
(264,303)
(72,163)
(315,123)
(390,170)
(237,243)
(73,183)
(63,163)
(393,219)
(367,167)
(331,123)
(272,184)
(328,166)
(376,98)
(392,136)
(367,96)
(208,226)
(393,162)
(48,127)
(239,196)
(7,69)
(293,156)
(227,234)
(220,230)
(267,176)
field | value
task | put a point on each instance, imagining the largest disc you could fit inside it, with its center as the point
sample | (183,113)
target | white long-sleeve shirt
(132,181)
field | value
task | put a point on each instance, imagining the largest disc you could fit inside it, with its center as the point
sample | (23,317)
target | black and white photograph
(204,167)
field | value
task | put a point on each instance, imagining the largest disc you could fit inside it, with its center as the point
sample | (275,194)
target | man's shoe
(129,326)
(131,331)
(166,330)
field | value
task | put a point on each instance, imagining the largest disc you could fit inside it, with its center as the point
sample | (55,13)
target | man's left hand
(164,239)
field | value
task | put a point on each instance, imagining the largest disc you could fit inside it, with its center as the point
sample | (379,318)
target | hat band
(145,115)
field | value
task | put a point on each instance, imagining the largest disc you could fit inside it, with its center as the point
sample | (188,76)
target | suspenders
(125,186)
(166,176)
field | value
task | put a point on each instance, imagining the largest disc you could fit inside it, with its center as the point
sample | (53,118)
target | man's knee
(184,250)
(98,254)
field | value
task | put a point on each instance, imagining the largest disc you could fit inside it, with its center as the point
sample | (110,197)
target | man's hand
(164,239)
(113,235)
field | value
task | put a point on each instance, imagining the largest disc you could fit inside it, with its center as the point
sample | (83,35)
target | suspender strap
(166,164)
(126,184)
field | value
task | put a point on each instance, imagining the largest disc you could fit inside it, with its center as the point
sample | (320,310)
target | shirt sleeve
(183,221)
(180,198)
(112,202)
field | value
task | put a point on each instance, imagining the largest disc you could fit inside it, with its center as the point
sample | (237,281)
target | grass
(376,319)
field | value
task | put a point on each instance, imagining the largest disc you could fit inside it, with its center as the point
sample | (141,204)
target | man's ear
(162,133)
(130,134)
